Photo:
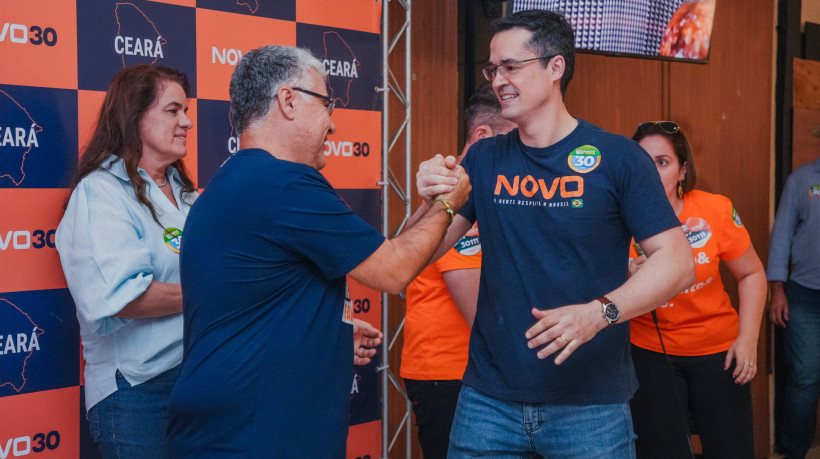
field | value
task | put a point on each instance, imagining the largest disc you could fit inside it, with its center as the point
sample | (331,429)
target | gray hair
(258,77)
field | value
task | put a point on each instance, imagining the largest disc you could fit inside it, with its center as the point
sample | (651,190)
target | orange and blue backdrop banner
(57,58)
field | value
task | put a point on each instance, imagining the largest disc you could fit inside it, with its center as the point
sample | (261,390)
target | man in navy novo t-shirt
(557,202)
(269,337)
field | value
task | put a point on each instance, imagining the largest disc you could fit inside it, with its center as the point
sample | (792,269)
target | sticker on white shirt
(173,238)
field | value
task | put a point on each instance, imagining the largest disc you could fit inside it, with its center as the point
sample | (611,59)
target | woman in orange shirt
(696,353)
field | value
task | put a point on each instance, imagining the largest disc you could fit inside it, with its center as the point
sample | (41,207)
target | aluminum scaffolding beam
(390,182)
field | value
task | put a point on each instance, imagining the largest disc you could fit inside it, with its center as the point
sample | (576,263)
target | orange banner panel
(367,303)
(354,152)
(364,15)
(364,441)
(223,38)
(45,423)
(38,43)
(28,259)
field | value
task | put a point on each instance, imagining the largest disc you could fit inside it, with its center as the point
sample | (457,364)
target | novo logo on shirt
(570,186)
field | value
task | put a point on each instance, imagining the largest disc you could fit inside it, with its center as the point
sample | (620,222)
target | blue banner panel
(39,342)
(215,138)
(112,36)
(280,9)
(366,204)
(38,136)
(352,60)
(365,393)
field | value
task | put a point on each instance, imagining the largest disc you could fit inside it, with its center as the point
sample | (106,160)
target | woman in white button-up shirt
(119,246)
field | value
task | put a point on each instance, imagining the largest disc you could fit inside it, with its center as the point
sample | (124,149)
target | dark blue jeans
(801,362)
(132,422)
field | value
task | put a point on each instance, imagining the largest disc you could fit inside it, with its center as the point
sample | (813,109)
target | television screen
(663,29)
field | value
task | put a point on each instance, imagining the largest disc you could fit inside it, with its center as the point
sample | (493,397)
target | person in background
(118,243)
(268,317)
(558,200)
(441,305)
(794,277)
(695,353)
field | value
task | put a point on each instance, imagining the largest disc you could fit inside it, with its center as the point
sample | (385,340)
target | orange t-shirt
(701,319)
(436,336)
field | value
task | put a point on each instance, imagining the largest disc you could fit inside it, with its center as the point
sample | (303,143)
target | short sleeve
(735,240)
(465,254)
(644,205)
(103,253)
(316,222)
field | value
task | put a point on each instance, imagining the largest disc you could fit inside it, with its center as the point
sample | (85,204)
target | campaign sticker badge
(469,244)
(736,218)
(584,159)
(814,191)
(173,238)
(698,231)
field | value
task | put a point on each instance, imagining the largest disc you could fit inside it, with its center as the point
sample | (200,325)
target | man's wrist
(447,209)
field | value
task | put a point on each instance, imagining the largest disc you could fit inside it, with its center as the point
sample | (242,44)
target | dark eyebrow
(173,105)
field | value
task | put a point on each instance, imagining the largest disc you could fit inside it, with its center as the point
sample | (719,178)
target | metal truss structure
(392,132)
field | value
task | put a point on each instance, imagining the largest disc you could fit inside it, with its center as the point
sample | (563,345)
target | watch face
(611,312)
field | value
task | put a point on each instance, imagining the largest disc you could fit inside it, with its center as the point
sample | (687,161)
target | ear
(556,67)
(285,101)
(683,172)
(480,132)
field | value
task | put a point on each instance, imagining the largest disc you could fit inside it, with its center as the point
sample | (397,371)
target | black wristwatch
(609,310)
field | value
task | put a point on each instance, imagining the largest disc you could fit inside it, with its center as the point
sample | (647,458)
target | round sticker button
(584,159)
(173,238)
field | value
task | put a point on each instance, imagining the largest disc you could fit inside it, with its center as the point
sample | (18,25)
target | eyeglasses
(330,103)
(509,68)
(669,127)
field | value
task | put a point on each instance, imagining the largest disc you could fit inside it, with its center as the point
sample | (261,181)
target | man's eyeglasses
(669,127)
(330,103)
(509,68)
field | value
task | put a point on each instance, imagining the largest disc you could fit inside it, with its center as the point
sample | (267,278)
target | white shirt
(111,249)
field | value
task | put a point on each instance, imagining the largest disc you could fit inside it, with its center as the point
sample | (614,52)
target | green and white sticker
(173,238)
(584,159)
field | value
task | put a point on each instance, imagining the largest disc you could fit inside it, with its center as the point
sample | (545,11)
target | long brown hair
(117,132)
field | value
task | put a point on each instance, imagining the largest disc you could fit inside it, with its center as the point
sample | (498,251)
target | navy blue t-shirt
(556,224)
(268,360)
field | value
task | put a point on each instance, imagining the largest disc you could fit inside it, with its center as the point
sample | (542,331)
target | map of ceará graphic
(18,136)
(138,41)
(19,338)
(341,66)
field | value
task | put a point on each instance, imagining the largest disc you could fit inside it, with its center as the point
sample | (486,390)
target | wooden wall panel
(616,93)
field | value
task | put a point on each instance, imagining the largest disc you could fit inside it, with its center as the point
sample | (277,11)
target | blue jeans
(801,361)
(132,422)
(487,427)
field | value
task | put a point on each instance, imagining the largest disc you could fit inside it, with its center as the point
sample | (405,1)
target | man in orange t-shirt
(441,305)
